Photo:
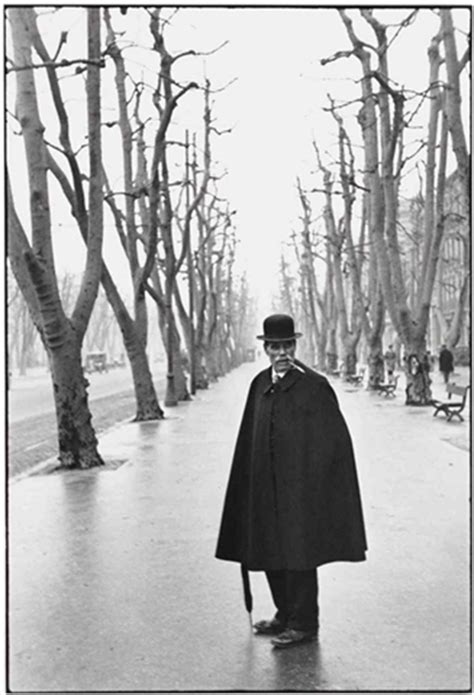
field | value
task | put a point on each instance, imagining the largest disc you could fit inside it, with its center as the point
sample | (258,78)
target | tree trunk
(76,436)
(455,329)
(349,349)
(188,333)
(350,358)
(172,344)
(180,385)
(332,355)
(212,367)
(27,340)
(202,379)
(453,106)
(147,407)
(374,338)
(146,401)
(321,343)
(375,362)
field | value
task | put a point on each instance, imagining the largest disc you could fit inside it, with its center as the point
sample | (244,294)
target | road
(32,436)
(32,395)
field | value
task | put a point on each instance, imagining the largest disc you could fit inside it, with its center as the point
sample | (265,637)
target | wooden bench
(387,389)
(450,407)
(356,379)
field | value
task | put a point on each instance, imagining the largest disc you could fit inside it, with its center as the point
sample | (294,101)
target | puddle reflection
(299,668)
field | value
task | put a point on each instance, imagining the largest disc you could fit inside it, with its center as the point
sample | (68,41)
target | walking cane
(247,593)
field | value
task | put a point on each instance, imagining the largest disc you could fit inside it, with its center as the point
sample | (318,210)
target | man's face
(280,354)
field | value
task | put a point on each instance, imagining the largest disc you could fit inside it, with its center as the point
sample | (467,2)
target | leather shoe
(268,627)
(291,638)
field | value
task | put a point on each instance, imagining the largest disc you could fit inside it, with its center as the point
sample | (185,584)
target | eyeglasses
(286,345)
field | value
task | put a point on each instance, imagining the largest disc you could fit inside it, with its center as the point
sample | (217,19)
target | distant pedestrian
(427,362)
(390,359)
(292,501)
(446,362)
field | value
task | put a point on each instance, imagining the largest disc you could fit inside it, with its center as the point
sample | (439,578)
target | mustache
(293,364)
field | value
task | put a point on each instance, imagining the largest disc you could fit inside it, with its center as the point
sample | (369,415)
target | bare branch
(192,52)
(54,64)
(408,157)
(217,90)
(220,132)
(337,56)
(463,61)
(342,105)
(62,41)
(385,85)
(184,54)
(404,23)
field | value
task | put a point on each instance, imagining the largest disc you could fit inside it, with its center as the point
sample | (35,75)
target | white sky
(274,107)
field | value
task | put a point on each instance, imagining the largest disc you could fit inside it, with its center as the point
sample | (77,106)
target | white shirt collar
(277,375)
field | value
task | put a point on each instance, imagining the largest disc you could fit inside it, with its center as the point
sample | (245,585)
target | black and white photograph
(237,319)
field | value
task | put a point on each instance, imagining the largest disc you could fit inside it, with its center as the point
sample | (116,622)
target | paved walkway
(113,583)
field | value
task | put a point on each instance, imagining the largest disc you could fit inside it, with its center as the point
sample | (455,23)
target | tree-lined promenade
(112,146)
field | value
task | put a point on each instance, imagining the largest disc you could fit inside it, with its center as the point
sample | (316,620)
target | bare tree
(33,265)
(165,100)
(350,309)
(287,288)
(147,406)
(316,318)
(152,191)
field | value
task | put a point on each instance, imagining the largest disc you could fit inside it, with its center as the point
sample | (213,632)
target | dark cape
(292,500)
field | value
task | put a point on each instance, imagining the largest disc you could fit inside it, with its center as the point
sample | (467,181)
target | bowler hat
(278,327)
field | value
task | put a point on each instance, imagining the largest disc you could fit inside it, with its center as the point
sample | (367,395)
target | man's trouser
(295,595)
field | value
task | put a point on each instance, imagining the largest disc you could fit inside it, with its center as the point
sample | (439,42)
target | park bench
(387,389)
(356,379)
(451,407)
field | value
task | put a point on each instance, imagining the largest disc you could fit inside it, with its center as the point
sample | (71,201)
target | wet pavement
(113,583)
(32,432)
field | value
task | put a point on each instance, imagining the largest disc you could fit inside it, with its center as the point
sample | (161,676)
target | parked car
(96,362)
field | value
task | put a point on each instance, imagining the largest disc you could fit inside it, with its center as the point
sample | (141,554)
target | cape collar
(286,382)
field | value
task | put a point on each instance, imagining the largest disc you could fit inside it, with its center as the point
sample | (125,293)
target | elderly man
(292,501)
